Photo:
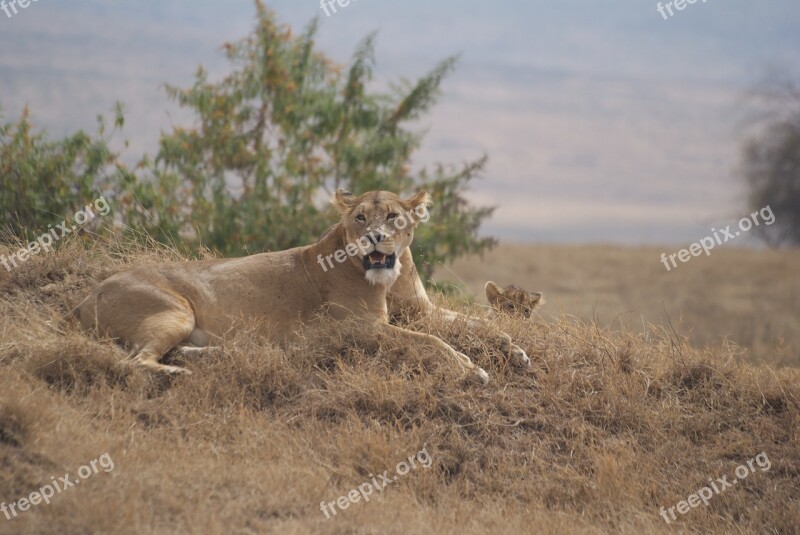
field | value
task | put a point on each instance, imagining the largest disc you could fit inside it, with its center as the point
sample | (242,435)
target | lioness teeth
(377,258)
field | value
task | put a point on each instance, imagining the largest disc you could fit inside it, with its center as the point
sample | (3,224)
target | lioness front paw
(480,375)
(519,357)
(175,370)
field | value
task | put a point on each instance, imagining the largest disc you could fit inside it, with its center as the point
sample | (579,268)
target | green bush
(42,181)
(270,144)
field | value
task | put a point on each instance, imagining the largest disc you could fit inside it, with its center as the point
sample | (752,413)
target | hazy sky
(602,121)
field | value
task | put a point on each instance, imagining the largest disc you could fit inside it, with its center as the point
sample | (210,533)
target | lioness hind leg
(162,332)
(149,359)
(149,317)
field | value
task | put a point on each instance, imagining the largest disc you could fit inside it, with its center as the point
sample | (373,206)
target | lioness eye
(360,217)
(391,216)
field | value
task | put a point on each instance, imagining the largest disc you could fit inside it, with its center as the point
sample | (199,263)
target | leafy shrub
(271,142)
(42,180)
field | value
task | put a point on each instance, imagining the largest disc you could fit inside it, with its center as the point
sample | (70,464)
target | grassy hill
(605,429)
(749,297)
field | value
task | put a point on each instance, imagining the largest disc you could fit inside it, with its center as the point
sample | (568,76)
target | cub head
(378,227)
(513,299)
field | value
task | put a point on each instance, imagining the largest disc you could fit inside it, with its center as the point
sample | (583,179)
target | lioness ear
(420,199)
(493,291)
(343,200)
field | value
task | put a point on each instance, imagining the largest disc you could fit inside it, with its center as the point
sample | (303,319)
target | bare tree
(771,159)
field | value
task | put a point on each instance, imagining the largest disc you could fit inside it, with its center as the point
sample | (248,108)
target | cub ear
(493,291)
(343,200)
(420,199)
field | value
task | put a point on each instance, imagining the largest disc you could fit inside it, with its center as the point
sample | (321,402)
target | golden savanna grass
(603,430)
(750,297)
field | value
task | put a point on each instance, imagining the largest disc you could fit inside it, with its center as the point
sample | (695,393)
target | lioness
(156,308)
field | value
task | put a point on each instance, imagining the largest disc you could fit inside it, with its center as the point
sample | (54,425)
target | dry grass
(603,430)
(751,297)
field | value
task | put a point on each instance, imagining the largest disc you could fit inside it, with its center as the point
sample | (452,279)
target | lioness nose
(375,237)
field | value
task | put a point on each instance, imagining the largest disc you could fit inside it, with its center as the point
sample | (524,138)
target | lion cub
(513,299)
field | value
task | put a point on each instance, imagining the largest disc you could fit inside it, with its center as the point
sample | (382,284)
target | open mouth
(378,260)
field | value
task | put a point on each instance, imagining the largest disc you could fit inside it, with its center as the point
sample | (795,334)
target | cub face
(378,227)
(513,299)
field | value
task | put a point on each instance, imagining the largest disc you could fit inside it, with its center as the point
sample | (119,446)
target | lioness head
(379,226)
(513,299)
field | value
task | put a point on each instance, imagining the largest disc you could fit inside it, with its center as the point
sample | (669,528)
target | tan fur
(513,299)
(156,308)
